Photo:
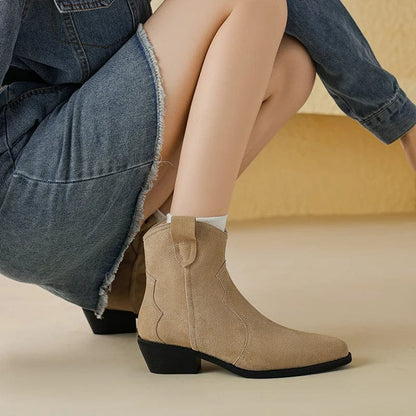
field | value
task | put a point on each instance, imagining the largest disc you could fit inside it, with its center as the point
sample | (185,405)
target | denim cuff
(393,120)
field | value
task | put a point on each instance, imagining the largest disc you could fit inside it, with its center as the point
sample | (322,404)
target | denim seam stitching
(10,154)
(144,164)
(133,12)
(25,8)
(86,44)
(9,149)
(91,5)
(5,195)
(79,50)
(384,108)
(36,91)
(364,120)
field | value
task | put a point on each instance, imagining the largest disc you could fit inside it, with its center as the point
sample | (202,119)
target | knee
(268,11)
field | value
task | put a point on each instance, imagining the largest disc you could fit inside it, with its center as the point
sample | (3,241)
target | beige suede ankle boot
(192,310)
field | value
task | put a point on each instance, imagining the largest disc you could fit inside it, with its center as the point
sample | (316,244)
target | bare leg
(214,49)
(228,97)
(289,87)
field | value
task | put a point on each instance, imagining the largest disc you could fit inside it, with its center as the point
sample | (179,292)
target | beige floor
(352,277)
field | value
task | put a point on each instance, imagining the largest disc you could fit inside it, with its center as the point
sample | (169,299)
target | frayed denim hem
(394,120)
(144,43)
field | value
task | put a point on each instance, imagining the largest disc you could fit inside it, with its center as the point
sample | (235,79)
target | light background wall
(322,162)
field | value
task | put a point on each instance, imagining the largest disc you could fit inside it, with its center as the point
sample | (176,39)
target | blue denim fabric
(77,158)
(348,68)
(345,62)
(80,138)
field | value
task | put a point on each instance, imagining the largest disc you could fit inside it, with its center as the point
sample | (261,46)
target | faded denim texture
(77,157)
(81,126)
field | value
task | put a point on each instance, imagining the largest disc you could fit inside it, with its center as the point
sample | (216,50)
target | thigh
(181,32)
(291,82)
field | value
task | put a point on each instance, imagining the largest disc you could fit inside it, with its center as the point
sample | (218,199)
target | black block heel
(169,359)
(113,322)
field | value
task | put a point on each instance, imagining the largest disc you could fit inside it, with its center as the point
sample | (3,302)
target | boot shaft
(186,301)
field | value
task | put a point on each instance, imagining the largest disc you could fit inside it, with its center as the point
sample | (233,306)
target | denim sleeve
(348,68)
(10,20)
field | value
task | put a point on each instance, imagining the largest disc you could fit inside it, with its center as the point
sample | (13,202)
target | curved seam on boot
(157,307)
(219,279)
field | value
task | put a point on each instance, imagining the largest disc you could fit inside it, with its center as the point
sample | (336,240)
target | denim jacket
(60,41)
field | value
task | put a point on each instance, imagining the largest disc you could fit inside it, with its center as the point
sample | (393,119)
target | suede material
(281,347)
(150,316)
(191,301)
(169,293)
(128,287)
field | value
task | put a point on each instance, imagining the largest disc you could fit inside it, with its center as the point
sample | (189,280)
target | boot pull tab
(182,229)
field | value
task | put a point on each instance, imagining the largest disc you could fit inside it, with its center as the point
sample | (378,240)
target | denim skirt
(76,162)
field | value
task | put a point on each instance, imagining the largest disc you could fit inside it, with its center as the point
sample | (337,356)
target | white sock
(160,216)
(218,222)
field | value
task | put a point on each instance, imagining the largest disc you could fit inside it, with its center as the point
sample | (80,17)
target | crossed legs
(228,91)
